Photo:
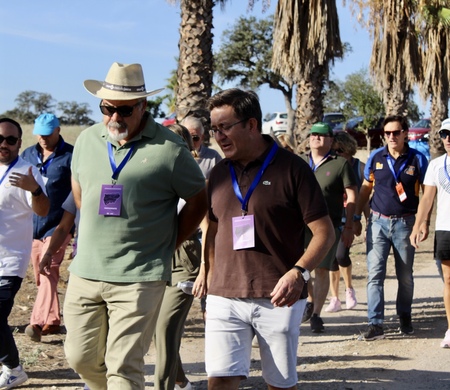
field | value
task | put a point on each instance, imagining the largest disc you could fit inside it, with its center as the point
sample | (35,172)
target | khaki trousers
(109,330)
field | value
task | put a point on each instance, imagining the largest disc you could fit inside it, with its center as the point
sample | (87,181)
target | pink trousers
(46,309)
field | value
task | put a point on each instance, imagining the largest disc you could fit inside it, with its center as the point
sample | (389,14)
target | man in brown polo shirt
(261,197)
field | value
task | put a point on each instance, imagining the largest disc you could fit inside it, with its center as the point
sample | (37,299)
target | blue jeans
(9,286)
(382,235)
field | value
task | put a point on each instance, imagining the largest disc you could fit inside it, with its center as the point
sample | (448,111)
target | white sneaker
(187,386)
(12,377)
(334,306)
(446,342)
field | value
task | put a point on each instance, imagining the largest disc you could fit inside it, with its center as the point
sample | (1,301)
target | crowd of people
(151,206)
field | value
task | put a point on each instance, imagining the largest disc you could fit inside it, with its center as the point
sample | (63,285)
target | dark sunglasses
(195,138)
(123,111)
(395,133)
(444,134)
(319,135)
(10,140)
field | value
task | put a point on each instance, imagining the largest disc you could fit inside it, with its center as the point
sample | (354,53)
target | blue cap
(45,124)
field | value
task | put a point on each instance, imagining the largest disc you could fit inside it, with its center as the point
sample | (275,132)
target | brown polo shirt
(286,198)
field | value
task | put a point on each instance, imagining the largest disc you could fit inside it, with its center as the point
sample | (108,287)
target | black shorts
(442,245)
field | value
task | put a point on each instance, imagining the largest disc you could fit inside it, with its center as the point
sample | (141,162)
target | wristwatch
(37,192)
(306,275)
(357,217)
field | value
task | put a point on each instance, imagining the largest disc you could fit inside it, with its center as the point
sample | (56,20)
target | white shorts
(231,324)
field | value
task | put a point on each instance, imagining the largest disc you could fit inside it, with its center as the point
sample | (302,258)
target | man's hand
(25,182)
(45,264)
(288,289)
(347,236)
(419,234)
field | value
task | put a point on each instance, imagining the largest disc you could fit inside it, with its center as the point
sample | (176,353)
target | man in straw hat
(128,174)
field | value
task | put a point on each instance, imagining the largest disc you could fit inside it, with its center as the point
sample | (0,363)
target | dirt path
(332,360)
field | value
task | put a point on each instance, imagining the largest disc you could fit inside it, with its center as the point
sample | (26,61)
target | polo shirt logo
(410,170)
(266,183)
(144,160)
(379,165)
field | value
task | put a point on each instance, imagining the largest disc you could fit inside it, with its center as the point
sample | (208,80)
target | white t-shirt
(16,221)
(436,177)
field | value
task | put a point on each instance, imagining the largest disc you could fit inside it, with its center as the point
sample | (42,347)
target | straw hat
(123,82)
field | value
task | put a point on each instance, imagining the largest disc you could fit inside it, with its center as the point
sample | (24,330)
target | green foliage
(30,104)
(245,55)
(154,106)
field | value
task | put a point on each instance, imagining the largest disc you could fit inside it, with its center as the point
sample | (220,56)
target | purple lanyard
(9,168)
(237,191)
(117,169)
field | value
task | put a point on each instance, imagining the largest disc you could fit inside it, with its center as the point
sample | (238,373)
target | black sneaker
(309,308)
(374,332)
(405,325)
(316,324)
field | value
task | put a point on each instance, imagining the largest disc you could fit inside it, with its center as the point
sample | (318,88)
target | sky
(52,46)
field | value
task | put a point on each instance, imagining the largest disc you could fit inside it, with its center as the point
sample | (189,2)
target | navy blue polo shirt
(57,170)
(385,199)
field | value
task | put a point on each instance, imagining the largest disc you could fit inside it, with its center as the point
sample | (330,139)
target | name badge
(243,232)
(111,200)
(401,192)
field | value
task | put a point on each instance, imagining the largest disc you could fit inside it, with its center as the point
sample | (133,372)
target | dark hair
(245,103)
(13,122)
(397,118)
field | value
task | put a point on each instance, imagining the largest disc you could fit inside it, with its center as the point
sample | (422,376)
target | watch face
(306,275)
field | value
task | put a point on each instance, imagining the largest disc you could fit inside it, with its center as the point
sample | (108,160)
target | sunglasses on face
(444,134)
(319,135)
(195,138)
(395,133)
(123,111)
(10,140)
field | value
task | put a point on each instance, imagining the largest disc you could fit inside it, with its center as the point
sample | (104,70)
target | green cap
(321,128)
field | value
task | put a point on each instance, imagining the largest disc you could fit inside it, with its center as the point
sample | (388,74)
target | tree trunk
(309,102)
(438,110)
(195,65)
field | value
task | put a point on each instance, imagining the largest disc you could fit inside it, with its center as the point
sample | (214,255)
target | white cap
(445,124)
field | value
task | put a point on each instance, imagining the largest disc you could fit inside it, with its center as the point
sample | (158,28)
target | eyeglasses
(395,133)
(319,135)
(444,134)
(10,140)
(195,138)
(123,111)
(223,129)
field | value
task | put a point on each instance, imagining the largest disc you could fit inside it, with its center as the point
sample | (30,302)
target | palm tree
(195,64)
(435,46)
(306,42)
(395,63)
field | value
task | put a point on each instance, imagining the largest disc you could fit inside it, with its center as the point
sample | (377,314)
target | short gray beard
(114,133)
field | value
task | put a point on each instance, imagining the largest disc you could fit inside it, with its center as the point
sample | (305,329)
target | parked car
(353,127)
(333,118)
(275,122)
(170,120)
(418,136)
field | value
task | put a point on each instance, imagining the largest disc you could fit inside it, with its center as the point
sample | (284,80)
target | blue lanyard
(391,163)
(256,180)
(311,162)
(445,168)
(117,169)
(9,168)
(43,166)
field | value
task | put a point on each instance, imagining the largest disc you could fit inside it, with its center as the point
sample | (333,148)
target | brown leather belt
(391,216)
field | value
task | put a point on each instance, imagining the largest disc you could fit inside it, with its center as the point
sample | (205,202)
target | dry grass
(69,133)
